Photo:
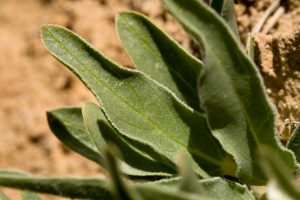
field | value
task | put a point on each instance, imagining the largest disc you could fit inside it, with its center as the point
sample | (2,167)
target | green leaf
(231,91)
(136,162)
(276,171)
(218,188)
(250,46)
(226,9)
(67,125)
(94,188)
(3,196)
(150,192)
(63,186)
(189,178)
(211,189)
(156,54)
(30,196)
(138,107)
(120,188)
(294,143)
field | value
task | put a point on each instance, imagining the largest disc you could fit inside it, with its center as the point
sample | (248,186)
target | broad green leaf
(138,107)
(3,196)
(136,162)
(294,143)
(63,186)
(226,9)
(30,196)
(156,54)
(120,188)
(277,172)
(67,125)
(231,91)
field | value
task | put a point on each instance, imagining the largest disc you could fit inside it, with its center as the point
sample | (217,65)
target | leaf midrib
(105,85)
(204,156)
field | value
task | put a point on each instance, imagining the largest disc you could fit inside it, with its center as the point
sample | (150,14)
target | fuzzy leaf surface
(231,91)
(159,56)
(294,143)
(138,107)
(96,188)
(62,186)
(210,189)
(136,163)
(67,125)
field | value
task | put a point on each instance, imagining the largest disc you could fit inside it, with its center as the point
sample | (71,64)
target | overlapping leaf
(70,127)
(67,125)
(226,9)
(138,107)
(96,188)
(231,90)
(120,188)
(136,162)
(156,54)
(278,174)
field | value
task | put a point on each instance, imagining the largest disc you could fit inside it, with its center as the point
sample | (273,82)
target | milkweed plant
(175,127)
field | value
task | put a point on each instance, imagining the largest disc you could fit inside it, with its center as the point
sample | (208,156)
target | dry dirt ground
(32,82)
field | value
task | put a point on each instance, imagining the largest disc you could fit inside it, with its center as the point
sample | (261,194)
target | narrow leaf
(250,46)
(276,171)
(3,196)
(93,188)
(136,162)
(121,190)
(30,196)
(63,186)
(156,54)
(294,143)
(67,125)
(231,91)
(138,107)
(189,178)
(226,9)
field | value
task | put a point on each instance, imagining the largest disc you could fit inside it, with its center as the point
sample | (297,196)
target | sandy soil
(32,82)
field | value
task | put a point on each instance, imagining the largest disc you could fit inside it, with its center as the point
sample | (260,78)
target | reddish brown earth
(32,82)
